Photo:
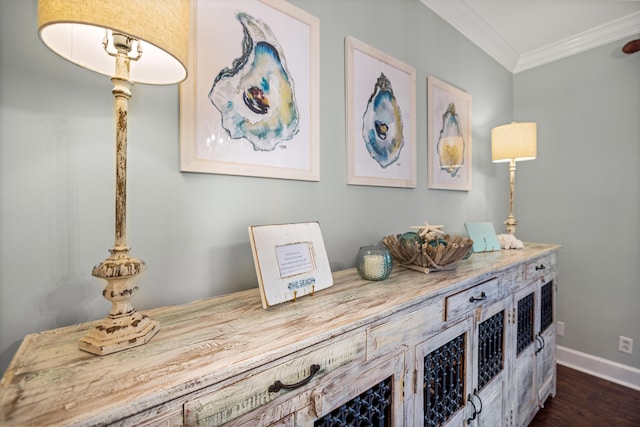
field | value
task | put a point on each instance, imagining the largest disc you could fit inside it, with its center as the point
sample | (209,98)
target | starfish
(428,230)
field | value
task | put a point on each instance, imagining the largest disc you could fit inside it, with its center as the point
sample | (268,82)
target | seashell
(256,96)
(382,128)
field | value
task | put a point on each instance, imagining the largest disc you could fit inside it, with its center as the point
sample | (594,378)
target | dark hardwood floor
(586,401)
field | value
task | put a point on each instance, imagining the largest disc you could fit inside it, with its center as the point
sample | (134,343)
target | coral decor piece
(428,249)
(509,241)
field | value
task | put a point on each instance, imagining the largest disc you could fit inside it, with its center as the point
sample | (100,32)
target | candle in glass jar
(373,262)
(373,265)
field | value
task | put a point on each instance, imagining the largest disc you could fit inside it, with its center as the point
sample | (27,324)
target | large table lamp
(132,41)
(513,143)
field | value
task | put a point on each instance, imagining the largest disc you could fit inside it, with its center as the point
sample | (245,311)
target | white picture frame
(291,261)
(365,67)
(216,41)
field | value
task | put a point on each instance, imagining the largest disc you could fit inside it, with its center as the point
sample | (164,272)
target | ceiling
(523,34)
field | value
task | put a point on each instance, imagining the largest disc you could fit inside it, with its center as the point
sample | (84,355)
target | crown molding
(468,22)
(465,20)
(595,37)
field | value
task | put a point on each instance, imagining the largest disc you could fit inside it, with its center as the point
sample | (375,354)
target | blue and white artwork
(256,95)
(382,127)
(250,103)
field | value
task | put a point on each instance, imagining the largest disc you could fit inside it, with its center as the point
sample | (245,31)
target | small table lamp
(513,143)
(107,36)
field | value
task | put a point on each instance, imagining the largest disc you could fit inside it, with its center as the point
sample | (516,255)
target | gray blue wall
(583,191)
(56,178)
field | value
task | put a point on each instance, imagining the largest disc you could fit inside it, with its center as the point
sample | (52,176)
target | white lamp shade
(74,29)
(515,141)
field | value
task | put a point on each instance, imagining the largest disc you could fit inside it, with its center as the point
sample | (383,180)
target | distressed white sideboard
(480,337)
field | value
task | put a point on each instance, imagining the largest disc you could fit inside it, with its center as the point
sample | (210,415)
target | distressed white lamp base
(124,327)
(116,334)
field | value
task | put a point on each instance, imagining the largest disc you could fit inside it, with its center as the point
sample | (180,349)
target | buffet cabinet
(472,346)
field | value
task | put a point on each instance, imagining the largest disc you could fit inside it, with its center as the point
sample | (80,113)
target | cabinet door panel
(525,385)
(443,368)
(546,366)
(493,403)
(524,347)
(490,364)
(546,332)
(372,392)
(535,364)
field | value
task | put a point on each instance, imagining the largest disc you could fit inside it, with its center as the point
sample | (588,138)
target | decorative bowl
(442,253)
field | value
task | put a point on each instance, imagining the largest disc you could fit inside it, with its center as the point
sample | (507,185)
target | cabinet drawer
(463,303)
(541,268)
(223,405)
(397,331)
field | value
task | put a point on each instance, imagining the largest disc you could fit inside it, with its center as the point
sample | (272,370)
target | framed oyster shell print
(381,118)
(449,136)
(250,103)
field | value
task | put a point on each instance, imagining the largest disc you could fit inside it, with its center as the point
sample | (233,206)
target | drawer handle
(277,386)
(540,267)
(482,297)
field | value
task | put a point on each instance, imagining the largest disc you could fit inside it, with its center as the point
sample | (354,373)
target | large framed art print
(381,118)
(250,103)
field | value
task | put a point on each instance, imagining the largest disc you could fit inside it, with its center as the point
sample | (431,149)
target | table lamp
(513,143)
(132,41)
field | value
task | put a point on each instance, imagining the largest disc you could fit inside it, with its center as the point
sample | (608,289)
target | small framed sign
(291,261)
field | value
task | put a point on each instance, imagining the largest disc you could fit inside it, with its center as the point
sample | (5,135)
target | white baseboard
(598,367)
